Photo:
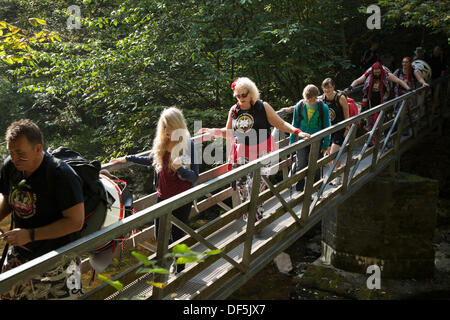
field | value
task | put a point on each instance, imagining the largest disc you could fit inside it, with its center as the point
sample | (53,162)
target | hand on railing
(118,160)
(348,90)
(214,132)
(287,109)
(303,134)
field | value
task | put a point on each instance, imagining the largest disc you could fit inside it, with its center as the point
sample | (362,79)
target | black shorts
(338,137)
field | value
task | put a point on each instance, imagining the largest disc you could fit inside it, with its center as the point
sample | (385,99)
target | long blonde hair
(172,119)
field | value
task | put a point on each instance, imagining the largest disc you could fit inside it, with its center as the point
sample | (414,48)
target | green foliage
(180,252)
(16,44)
(434,15)
(100,89)
(130,59)
(115,284)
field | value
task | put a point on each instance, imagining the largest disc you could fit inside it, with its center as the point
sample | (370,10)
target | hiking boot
(336,181)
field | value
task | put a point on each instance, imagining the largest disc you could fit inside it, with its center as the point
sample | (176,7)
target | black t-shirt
(336,112)
(37,202)
(248,124)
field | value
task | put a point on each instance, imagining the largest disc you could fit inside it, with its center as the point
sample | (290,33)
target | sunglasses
(243,95)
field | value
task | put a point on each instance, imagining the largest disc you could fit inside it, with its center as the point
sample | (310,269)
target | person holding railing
(175,163)
(408,74)
(339,111)
(248,129)
(376,89)
(310,115)
(45,216)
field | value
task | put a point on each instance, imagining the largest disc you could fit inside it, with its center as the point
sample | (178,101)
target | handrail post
(436,96)
(285,170)
(401,122)
(165,227)
(349,160)
(251,218)
(312,167)
(378,136)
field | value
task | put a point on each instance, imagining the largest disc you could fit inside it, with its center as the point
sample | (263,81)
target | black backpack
(94,192)
(88,171)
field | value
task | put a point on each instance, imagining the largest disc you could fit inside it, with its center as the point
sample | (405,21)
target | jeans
(302,162)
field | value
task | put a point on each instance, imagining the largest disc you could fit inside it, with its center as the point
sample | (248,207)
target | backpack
(88,171)
(352,106)
(106,200)
(302,104)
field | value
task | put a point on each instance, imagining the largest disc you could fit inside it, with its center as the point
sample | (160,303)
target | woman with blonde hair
(249,126)
(174,160)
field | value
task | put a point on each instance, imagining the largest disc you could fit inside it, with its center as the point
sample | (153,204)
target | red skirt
(241,151)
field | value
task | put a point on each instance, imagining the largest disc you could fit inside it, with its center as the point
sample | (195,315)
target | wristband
(31,232)
(297,132)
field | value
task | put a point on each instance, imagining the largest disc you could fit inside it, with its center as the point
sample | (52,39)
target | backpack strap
(321,107)
(301,104)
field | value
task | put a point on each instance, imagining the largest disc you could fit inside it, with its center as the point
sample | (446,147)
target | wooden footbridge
(248,247)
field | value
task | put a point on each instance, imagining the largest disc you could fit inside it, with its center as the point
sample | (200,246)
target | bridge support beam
(390,223)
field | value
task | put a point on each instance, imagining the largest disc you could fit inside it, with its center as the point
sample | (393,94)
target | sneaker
(259,213)
(336,181)
(173,267)
(245,217)
(180,267)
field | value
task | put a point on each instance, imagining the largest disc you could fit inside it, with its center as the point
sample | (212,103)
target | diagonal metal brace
(205,242)
(336,160)
(391,129)
(366,145)
(283,202)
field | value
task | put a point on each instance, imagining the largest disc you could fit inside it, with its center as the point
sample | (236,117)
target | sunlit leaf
(40,21)
(213,252)
(157,284)
(141,258)
(191,259)
(153,270)
(116,284)
(33,22)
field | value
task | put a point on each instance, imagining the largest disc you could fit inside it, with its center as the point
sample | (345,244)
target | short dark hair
(328,82)
(24,127)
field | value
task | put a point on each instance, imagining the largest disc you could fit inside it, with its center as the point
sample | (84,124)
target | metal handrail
(87,243)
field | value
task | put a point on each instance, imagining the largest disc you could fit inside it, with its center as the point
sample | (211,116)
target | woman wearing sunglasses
(248,129)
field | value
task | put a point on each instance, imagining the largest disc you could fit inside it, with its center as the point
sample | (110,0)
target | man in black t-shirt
(46,215)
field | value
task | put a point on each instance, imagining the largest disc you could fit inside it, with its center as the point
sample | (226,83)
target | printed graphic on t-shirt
(23,203)
(332,114)
(376,85)
(244,122)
